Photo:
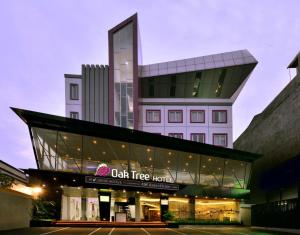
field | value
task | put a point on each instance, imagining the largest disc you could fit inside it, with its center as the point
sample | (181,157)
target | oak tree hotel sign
(104,170)
(132,179)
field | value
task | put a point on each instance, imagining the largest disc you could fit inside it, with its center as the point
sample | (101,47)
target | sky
(41,40)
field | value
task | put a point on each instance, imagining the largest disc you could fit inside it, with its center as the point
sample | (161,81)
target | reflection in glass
(62,151)
(123,76)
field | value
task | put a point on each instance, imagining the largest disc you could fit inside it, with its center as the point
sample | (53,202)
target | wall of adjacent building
(15,210)
(275,134)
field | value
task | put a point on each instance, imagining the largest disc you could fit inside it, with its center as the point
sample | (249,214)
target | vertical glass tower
(123,74)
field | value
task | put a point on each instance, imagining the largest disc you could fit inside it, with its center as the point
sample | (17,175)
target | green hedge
(205,222)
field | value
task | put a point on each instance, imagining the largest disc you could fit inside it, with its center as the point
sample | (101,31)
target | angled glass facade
(69,152)
(123,76)
(210,83)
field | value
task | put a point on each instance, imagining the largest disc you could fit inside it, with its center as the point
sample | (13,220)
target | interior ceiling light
(123,146)
(148,150)
(94,141)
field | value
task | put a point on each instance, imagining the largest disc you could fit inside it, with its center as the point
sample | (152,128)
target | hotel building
(189,99)
(142,140)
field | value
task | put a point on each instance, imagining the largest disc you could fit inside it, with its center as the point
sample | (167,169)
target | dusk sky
(41,40)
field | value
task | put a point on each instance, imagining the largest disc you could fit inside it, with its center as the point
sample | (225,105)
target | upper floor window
(198,137)
(220,140)
(176,135)
(153,116)
(74,91)
(175,116)
(219,116)
(197,116)
(74,115)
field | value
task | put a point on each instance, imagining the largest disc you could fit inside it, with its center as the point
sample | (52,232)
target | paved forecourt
(183,230)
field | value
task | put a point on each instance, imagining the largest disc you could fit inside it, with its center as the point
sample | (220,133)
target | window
(74,91)
(152,116)
(198,137)
(74,115)
(173,86)
(219,116)
(175,116)
(176,135)
(197,116)
(220,140)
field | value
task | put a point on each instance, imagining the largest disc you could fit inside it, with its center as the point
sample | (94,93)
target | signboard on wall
(131,183)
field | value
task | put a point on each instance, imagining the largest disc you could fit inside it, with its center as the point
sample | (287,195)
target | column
(192,207)
(137,208)
(83,208)
(164,207)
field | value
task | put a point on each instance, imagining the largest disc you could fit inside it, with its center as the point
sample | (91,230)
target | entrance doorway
(150,208)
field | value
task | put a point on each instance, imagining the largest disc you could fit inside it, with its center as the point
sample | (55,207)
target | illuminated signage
(104,198)
(164,202)
(104,170)
(131,183)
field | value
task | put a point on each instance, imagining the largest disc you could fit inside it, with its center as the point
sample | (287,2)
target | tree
(6,181)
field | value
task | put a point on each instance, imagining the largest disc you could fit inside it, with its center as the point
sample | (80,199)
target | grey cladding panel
(87,93)
(101,90)
(97,94)
(105,85)
(92,93)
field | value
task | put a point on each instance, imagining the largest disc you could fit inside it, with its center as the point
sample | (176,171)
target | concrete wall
(275,134)
(245,215)
(15,210)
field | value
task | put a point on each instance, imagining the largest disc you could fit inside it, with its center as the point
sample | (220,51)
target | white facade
(186,127)
(73,105)
(213,132)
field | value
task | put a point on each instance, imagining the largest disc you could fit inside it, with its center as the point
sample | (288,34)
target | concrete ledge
(287,230)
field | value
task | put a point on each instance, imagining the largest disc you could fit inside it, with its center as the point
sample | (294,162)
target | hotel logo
(102,170)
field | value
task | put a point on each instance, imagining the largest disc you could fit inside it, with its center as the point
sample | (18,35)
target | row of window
(219,139)
(176,116)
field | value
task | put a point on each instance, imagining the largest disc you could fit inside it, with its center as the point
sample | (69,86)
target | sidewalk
(287,230)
